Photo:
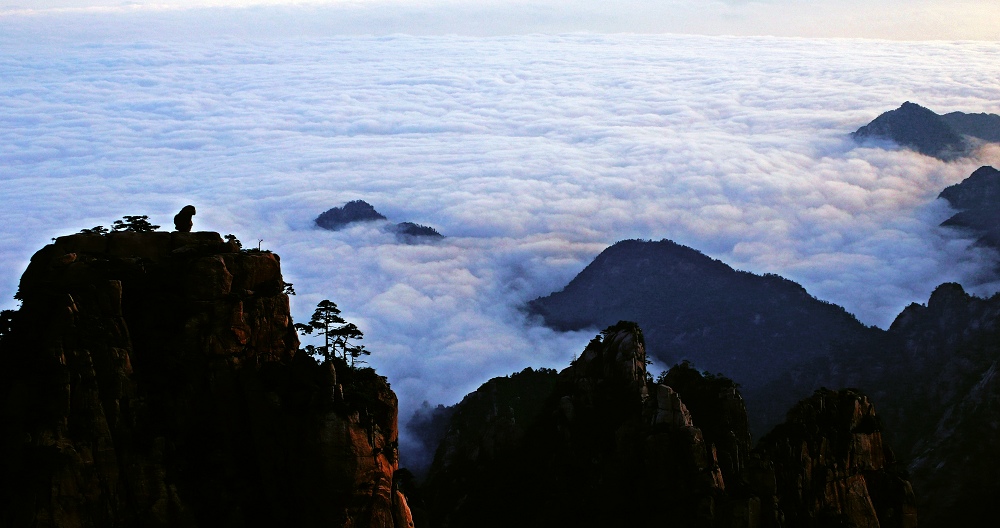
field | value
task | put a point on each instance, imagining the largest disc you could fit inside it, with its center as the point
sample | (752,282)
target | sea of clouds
(530,153)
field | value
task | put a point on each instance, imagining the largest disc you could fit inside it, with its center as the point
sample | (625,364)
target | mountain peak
(918,128)
(354,211)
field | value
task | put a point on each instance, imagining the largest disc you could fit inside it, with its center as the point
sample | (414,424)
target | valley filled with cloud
(531,154)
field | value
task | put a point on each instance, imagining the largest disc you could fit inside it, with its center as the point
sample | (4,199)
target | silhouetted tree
(134,224)
(339,336)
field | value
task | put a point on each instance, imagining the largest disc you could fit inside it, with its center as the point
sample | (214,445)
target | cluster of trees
(339,337)
(128,223)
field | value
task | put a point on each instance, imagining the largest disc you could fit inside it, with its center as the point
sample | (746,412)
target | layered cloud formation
(531,154)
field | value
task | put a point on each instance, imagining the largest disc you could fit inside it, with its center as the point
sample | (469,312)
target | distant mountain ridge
(945,137)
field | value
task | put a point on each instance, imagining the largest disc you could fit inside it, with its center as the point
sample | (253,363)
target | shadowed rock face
(945,137)
(152,379)
(610,447)
(693,307)
(832,468)
(349,213)
(916,127)
(977,199)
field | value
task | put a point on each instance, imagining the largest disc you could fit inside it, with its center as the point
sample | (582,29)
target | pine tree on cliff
(337,333)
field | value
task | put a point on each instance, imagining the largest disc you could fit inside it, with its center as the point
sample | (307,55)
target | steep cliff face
(151,379)
(831,467)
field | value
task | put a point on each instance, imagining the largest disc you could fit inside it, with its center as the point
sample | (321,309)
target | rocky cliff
(152,379)
(938,393)
(608,446)
(830,466)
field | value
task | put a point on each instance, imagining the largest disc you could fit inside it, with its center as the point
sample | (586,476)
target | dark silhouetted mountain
(349,213)
(977,199)
(697,308)
(410,232)
(918,128)
(608,446)
(361,211)
(936,381)
(153,379)
(981,126)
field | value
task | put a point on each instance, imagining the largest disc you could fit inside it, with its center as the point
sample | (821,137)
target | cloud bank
(531,154)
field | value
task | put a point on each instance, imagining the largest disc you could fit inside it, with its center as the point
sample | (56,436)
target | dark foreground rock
(608,446)
(152,379)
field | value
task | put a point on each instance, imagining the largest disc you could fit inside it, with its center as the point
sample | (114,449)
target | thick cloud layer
(531,154)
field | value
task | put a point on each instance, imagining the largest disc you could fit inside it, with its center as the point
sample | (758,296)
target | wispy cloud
(531,154)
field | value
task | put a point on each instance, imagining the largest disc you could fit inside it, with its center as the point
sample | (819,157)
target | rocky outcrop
(152,379)
(830,467)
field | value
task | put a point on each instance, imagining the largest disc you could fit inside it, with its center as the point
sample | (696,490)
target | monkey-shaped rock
(182,220)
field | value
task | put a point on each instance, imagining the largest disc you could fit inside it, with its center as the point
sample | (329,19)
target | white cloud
(531,154)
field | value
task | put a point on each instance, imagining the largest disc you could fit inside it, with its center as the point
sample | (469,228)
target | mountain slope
(916,127)
(697,308)
(946,137)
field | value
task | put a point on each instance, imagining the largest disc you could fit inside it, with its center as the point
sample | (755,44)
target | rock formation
(945,137)
(830,467)
(608,446)
(152,379)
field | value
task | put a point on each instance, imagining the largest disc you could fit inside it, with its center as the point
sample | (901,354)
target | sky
(531,153)
(882,19)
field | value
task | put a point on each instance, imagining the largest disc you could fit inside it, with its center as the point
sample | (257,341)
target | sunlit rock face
(152,379)
(832,468)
